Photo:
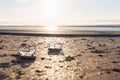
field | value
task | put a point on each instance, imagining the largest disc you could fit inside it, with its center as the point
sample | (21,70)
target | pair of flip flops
(28,52)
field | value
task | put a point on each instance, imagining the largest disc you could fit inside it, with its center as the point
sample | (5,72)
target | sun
(51,10)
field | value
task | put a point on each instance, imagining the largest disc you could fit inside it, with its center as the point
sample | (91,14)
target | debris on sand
(115,62)
(78,55)
(14,62)
(47,79)
(3,55)
(100,55)
(19,72)
(81,77)
(14,55)
(42,58)
(69,58)
(116,70)
(91,48)
(98,51)
(48,67)
(38,71)
(1,47)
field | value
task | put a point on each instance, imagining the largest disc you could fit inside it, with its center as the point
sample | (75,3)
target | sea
(62,28)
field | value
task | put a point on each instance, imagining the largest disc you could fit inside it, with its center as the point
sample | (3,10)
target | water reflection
(51,28)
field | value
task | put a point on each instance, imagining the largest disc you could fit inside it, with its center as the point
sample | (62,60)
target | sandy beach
(81,58)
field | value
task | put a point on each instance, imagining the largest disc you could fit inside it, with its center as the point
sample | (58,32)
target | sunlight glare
(22,1)
(51,28)
(51,9)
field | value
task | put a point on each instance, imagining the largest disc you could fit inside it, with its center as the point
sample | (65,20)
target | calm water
(117,29)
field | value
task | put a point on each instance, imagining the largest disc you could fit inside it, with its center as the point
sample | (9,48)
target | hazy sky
(59,12)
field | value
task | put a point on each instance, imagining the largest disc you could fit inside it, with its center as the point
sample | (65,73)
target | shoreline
(60,33)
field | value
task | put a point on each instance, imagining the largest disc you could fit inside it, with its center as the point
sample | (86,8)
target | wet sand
(82,58)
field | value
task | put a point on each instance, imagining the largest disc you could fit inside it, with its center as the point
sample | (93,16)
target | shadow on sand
(3,76)
(24,63)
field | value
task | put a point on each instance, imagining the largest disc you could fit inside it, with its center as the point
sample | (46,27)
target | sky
(59,12)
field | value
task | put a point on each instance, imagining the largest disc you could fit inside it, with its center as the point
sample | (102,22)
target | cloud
(22,1)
